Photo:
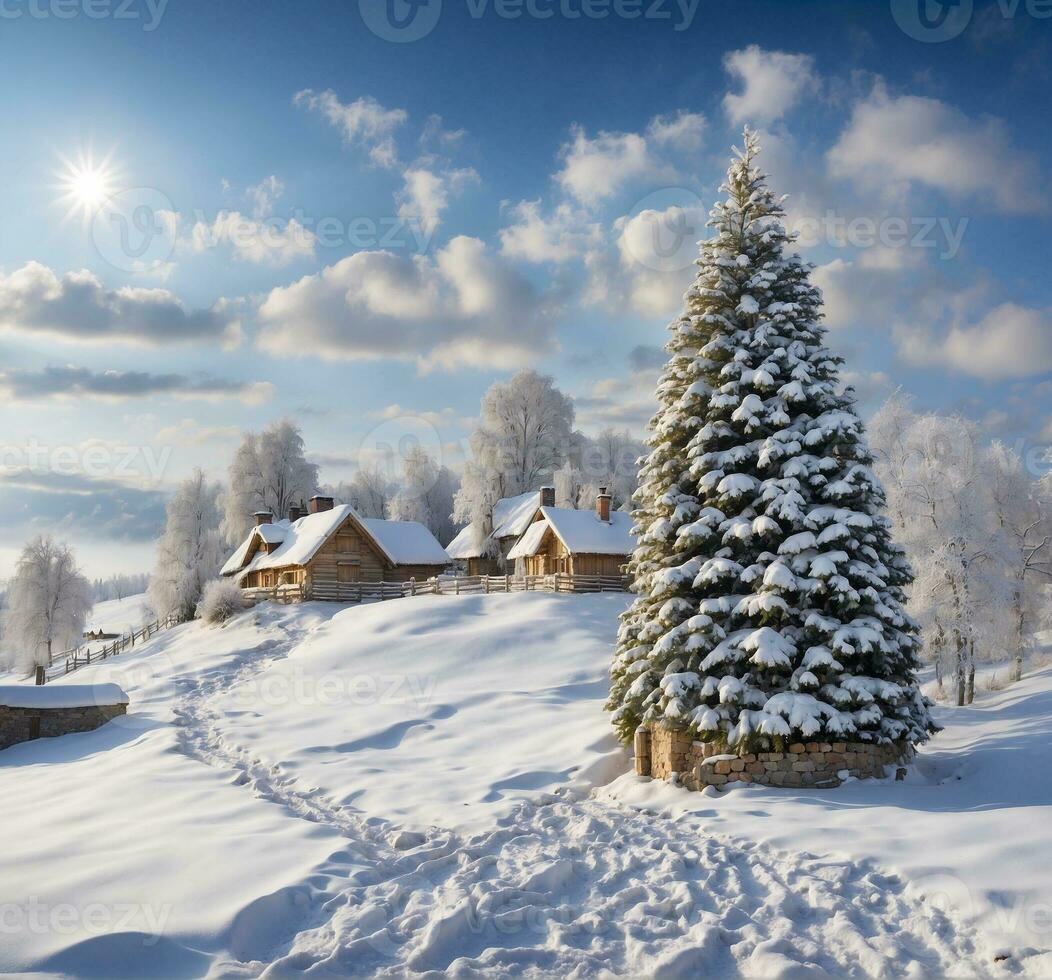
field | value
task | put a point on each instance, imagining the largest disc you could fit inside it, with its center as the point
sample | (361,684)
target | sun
(85,185)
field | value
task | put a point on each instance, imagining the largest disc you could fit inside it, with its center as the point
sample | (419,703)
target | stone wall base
(662,751)
(23,724)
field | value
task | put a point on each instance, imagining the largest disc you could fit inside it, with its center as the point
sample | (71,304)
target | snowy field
(408,787)
(120,615)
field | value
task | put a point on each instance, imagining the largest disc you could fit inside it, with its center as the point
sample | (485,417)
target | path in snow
(576,887)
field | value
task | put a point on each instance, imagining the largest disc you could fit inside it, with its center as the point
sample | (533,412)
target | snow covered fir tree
(770,595)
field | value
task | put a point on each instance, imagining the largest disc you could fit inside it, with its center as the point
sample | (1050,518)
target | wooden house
(575,542)
(330,546)
(478,552)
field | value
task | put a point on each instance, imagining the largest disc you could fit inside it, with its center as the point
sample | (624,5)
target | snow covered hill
(120,615)
(404,787)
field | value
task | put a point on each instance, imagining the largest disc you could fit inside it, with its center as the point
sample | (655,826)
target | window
(347,542)
(347,573)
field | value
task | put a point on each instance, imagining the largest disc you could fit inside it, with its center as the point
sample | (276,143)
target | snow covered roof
(580,531)
(511,516)
(406,542)
(61,695)
(401,542)
(530,542)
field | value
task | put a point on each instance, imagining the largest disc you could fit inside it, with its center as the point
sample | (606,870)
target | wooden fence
(444,585)
(81,656)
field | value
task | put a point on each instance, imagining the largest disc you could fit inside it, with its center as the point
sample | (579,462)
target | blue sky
(365,234)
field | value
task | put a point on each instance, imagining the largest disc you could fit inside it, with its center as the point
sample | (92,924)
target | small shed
(332,546)
(576,542)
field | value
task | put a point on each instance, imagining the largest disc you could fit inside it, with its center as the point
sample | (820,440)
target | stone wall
(662,751)
(22,724)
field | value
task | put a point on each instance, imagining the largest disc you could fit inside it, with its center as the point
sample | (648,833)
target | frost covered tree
(524,435)
(369,492)
(975,526)
(191,549)
(609,460)
(47,603)
(269,472)
(769,592)
(1021,509)
(426,494)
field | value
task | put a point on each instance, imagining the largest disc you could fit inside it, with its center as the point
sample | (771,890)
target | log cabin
(328,546)
(575,542)
(478,552)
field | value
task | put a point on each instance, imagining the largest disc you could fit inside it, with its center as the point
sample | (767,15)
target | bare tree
(48,601)
(269,472)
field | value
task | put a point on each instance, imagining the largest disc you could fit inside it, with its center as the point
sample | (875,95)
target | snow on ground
(970,827)
(444,710)
(120,615)
(403,787)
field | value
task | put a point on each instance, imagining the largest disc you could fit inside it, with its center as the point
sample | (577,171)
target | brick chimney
(296,511)
(263,517)
(319,503)
(602,505)
(547,496)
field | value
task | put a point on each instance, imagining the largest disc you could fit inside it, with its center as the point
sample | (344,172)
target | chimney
(602,505)
(296,511)
(318,503)
(263,517)
(547,496)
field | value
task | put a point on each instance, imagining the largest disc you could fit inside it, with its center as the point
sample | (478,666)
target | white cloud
(1010,341)
(464,308)
(426,193)
(263,195)
(594,169)
(263,241)
(891,143)
(772,83)
(187,434)
(78,307)
(364,122)
(565,234)
(683,131)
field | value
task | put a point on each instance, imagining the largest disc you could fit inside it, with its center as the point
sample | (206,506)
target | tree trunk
(49,656)
(1017,664)
(960,667)
(970,694)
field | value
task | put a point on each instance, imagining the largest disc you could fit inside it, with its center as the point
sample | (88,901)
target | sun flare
(86,184)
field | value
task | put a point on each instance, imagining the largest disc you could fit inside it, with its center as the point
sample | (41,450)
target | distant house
(487,554)
(329,546)
(575,542)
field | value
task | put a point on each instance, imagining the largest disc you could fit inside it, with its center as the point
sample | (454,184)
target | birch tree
(48,601)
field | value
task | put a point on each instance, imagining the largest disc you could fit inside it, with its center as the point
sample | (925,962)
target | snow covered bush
(46,605)
(221,599)
(769,593)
